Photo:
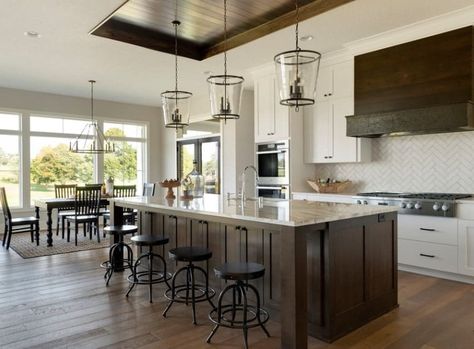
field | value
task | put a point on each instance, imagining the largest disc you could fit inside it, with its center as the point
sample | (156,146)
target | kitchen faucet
(242,190)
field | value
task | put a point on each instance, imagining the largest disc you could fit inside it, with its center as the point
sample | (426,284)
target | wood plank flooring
(62,302)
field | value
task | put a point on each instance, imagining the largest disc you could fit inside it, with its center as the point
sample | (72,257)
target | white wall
(423,163)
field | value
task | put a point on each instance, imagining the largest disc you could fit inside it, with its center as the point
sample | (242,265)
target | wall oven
(273,164)
(273,192)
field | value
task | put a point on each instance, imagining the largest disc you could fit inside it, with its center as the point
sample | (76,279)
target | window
(206,151)
(126,165)
(44,140)
(10,157)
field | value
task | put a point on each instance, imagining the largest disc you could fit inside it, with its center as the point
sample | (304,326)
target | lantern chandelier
(176,103)
(91,139)
(225,91)
(297,73)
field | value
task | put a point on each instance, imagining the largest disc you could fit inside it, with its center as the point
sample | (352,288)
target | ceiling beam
(307,11)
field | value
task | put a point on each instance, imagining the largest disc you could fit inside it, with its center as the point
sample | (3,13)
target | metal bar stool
(239,314)
(204,292)
(116,261)
(148,276)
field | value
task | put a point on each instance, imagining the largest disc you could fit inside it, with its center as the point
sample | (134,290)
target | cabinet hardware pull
(329,94)
(325,95)
(427,255)
(427,229)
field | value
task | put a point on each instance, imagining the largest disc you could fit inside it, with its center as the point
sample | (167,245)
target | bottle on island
(197,180)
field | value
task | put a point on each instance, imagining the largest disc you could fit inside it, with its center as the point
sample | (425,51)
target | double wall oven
(273,167)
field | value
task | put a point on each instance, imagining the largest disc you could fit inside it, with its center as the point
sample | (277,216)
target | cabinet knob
(329,94)
(325,95)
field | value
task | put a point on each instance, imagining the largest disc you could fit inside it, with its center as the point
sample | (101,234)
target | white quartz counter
(288,213)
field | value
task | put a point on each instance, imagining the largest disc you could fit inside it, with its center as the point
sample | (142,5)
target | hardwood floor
(62,302)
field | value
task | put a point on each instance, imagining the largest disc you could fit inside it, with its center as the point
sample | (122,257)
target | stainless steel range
(427,204)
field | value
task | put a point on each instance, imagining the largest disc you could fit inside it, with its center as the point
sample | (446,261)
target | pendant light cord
(92,99)
(297,25)
(225,55)
(176,23)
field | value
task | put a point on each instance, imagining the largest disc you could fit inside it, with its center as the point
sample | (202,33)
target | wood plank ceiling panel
(147,23)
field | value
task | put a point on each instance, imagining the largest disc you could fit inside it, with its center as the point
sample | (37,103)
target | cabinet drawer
(430,229)
(428,255)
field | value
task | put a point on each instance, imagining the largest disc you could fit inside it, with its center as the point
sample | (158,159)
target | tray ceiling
(148,23)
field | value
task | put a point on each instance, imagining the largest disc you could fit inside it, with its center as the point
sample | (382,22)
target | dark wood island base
(322,279)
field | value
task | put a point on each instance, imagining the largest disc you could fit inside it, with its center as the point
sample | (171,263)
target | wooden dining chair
(17,225)
(86,211)
(124,191)
(64,191)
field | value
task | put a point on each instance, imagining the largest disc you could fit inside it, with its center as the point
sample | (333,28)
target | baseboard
(436,273)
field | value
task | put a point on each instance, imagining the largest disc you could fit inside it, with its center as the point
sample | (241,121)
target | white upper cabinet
(271,118)
(325,122)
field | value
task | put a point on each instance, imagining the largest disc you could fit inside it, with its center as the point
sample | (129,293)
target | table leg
(49,224)
(293,264)
(37,234)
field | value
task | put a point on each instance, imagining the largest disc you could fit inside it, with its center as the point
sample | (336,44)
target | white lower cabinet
(428,255)
(466,247)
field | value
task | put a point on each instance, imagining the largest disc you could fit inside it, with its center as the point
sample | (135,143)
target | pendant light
(225,91)
(91,139)
(297,72)
(176,103)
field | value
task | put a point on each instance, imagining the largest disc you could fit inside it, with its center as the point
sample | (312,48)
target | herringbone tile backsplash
(426,163)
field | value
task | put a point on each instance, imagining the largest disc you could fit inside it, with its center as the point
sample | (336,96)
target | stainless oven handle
(271,152)
(272,188)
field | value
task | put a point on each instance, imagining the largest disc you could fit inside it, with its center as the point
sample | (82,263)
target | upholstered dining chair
(86,211)
(17,225)
(64,191)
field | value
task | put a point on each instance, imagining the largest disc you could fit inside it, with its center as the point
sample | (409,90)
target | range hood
(424,86)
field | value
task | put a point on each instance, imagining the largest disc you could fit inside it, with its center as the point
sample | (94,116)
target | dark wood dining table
(50,204)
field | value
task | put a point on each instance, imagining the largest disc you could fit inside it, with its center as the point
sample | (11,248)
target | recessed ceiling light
(306,38)
(32,34)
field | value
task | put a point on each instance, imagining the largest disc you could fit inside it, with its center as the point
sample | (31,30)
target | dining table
(50,204)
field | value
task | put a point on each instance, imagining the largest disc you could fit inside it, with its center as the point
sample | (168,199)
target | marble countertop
(288,213)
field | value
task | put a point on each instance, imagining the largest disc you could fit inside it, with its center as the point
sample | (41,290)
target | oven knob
(403,205)
(445,207)
(365,202)
(410,205)
(436,206)
(359,202)
(418,205)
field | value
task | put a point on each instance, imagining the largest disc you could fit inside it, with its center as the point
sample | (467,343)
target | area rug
(21,244)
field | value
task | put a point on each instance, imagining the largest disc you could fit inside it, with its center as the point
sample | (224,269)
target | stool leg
(188,277)
(219,312)
(150,275)
(135,279)
(258,309)
(193,294)
(173,289)
(241,289)
(111,263)
(206,277)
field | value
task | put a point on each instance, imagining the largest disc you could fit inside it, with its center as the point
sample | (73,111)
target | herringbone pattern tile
(432,163)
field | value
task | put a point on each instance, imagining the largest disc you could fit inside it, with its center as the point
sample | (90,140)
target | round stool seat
(190,254)
(149,240)
(239,271)
(121,229)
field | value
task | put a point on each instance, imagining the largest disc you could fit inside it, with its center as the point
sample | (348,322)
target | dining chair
(86,211)
(64,191)
(17,225)
(124,191)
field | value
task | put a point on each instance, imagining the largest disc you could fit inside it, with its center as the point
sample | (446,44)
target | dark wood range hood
(424,86)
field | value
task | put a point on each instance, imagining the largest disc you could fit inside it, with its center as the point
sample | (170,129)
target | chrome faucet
(242,190)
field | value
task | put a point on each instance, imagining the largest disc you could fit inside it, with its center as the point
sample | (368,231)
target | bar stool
(149,276)
(116,261)
(249,315)
(175,294)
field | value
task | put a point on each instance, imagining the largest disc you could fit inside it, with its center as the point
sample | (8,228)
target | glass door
(206,151)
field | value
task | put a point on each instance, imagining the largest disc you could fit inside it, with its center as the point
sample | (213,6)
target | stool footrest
(203,296)
(252,321)
(143,277)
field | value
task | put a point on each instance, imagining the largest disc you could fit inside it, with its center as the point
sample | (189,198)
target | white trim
(25,157)
(436,273)
(212,135)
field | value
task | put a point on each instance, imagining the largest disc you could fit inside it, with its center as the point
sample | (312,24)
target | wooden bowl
(337,187)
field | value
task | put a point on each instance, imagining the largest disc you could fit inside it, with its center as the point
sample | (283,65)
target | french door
(206,151)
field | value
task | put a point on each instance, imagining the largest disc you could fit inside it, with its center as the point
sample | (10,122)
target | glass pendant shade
(297,73)
(225,92)
(176,108)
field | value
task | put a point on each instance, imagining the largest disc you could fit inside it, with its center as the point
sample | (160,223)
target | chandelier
(91,140)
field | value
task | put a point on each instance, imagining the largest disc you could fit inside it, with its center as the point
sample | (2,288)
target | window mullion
(25,180)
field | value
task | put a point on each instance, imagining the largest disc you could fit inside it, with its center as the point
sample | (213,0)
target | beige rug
(21,244)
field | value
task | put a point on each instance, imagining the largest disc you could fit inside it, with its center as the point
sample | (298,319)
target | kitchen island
(330,268)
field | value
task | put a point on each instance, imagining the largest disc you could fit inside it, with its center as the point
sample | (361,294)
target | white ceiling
(66,56)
